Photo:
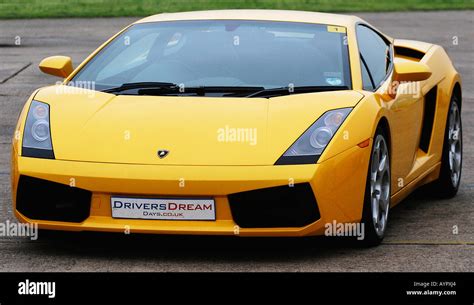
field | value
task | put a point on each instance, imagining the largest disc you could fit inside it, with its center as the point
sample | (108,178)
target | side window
(366,80)
(375,56)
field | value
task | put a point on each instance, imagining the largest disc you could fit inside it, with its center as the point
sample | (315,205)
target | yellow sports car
(238,122)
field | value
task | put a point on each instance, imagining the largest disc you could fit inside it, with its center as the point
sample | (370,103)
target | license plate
(163,208)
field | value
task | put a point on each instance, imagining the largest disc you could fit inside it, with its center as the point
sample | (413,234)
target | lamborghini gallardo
(238,122)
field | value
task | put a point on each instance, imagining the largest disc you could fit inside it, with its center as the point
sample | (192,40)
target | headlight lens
(314,140)
(40,130)
(320,137)
(37,135)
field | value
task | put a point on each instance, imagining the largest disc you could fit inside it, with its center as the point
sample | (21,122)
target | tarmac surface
(420,232)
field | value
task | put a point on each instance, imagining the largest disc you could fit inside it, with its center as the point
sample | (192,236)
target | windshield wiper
(141,85)
(200,90)
(164,88)
(294,90)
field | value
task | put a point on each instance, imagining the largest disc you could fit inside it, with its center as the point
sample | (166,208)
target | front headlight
(311,144)
(37,133)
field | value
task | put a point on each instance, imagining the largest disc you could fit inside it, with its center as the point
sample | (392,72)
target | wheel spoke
(375,161)
(457,162)
(382,221)
(382,163)
(451,121)
(375,211)
(451,158)
(381,207)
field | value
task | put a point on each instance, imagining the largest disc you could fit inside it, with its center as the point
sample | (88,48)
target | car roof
(266,15)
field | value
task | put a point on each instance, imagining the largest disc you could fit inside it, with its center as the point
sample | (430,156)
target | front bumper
(337,183)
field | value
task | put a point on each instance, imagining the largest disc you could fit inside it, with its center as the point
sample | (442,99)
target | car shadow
(188,248)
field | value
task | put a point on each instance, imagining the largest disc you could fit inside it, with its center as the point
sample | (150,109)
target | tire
(377,191)
(447,185)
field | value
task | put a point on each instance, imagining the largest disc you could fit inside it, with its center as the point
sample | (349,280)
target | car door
(406,109)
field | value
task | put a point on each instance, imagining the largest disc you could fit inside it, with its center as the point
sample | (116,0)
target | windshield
(230,53)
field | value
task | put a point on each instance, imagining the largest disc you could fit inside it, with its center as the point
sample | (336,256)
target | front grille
(45,200)
(281,206)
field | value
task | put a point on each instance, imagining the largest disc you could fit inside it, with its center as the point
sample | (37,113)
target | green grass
(113,8)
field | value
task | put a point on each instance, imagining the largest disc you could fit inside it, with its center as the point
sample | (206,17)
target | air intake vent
(407,52)
(45,200)
(428,118)
(281,206)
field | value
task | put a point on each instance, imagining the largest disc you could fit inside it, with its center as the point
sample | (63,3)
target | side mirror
(410,71)
(57,65)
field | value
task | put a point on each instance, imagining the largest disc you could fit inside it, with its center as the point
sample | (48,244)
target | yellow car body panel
(107,144)
(118,129)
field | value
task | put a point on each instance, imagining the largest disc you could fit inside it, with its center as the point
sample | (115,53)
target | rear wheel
(447,184)
(377,193)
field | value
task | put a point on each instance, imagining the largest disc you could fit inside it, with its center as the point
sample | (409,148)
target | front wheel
(378,191)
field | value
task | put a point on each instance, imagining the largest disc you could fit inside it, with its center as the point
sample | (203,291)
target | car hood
(100,127)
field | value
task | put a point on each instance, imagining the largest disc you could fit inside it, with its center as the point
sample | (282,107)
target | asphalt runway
(420,233)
